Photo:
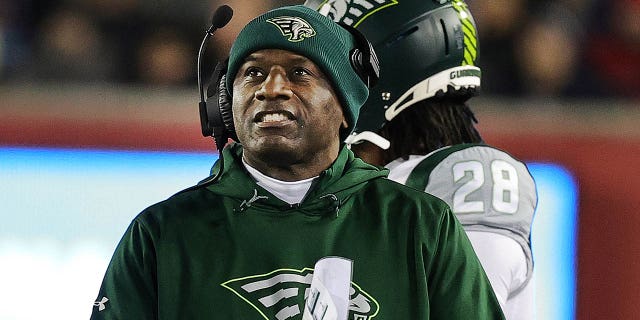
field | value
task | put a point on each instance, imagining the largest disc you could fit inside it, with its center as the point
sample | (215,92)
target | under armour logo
(100,304)
(294,28)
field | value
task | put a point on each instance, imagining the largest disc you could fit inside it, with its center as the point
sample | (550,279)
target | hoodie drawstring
(247,203)
(330,200)
(335,203)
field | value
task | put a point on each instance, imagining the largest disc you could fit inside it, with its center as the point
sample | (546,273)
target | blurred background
(98,119)
(533,49)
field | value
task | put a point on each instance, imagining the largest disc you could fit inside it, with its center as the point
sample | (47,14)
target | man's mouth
(274,116)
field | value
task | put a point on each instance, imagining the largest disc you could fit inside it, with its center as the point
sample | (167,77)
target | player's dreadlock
(429,125)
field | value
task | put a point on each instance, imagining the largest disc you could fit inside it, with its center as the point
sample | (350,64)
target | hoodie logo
(101,303)
(281,295)
(353,12)
(294,28)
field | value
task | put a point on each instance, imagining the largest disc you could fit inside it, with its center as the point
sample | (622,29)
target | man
(427,50)
(294,226)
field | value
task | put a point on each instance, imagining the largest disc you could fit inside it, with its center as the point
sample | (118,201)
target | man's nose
(275,86)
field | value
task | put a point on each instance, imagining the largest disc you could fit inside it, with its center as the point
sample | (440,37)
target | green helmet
(426,48)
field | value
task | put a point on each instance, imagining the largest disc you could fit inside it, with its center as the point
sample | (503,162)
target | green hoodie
(228,249)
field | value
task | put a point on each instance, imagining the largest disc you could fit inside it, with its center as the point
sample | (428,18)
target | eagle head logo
(282,294)
(294,28)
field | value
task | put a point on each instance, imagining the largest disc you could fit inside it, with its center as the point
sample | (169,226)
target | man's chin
(275,148)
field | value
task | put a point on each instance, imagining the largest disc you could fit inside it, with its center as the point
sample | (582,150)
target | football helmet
(426,48)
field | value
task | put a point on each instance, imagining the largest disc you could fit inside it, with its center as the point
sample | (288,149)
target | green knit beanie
(306,32)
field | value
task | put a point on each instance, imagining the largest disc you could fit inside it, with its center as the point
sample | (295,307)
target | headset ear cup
(355,57)
(215,120)
(363,57)
(224,103)
(373,64)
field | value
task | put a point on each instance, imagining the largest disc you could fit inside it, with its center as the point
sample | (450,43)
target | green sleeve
(458,286)
(130,281)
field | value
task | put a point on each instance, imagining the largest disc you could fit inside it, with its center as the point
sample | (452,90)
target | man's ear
(345,124)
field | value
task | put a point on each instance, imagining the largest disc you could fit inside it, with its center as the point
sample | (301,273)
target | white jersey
(494,196)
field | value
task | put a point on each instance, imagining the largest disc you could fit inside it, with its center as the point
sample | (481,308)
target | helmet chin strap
(372,137)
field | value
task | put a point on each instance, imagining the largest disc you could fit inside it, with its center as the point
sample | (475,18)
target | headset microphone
(214,128)
(220,18)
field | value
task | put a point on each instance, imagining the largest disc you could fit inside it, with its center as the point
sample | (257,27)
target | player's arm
(458,286)
(129,288)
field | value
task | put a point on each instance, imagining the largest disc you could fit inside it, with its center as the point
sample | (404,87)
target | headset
(363,57)
(216,117)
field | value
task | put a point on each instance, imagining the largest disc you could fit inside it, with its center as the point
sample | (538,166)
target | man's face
(285,111)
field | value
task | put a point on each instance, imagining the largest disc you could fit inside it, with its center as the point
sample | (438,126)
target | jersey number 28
(503,183)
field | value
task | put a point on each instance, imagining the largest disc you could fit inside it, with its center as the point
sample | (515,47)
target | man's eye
(254,72)
(299,72)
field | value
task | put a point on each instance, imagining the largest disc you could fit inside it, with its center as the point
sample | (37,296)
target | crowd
(562,48)
(566,48)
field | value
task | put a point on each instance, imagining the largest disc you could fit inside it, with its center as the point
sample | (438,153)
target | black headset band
(363,57)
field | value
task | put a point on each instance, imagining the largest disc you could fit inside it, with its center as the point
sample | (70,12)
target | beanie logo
(295,29)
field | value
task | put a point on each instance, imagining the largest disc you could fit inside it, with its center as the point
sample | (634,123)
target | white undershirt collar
(291,192)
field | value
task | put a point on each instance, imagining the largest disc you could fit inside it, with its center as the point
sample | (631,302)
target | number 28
(504,179)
